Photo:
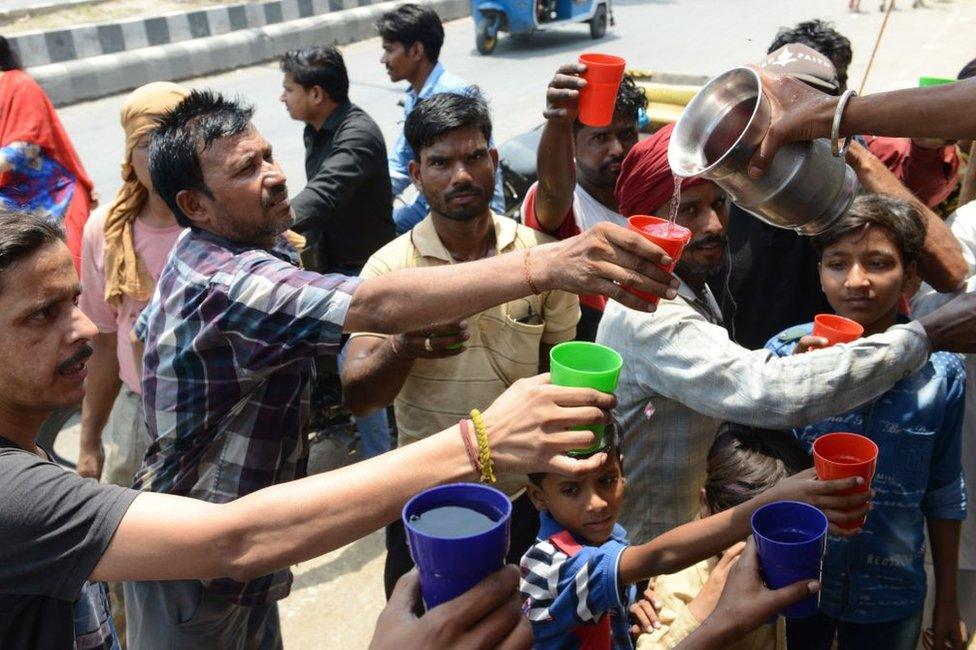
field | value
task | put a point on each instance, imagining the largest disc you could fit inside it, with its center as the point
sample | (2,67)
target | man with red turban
(683,375)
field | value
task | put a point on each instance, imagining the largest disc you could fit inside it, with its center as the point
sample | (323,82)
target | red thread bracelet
(469,447)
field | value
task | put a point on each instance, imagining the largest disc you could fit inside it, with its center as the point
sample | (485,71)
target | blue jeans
(817,633)
(374,429)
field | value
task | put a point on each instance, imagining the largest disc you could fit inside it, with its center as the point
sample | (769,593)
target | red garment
(568,228)
(930,174)
(27,115)
(646,182)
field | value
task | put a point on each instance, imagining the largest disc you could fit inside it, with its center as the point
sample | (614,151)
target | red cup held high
(598,98)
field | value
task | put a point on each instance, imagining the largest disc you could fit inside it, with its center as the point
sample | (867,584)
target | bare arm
(376,366)
(373,374)
(101,388)
(555,156)
(801,113)
(591,263)
(165,537)
(693,542)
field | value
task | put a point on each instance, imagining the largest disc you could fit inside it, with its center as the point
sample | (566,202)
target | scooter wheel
(485,38)
(598,24)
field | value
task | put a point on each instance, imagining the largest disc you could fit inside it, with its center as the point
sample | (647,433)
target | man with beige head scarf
(124,248)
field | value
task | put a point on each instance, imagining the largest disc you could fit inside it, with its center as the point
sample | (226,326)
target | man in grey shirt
(684,376)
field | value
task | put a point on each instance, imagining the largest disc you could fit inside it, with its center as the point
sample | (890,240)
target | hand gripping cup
(598,98)
(836,329)
(458,534)
(580,364)
(791,538)
(669,236)
(841,455)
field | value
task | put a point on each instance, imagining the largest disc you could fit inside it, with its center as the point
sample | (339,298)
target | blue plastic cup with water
(458,535)
(791,538)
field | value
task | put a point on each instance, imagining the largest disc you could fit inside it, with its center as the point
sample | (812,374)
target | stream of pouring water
(675,202)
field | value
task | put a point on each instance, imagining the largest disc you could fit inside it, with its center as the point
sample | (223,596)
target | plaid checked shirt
(230,339)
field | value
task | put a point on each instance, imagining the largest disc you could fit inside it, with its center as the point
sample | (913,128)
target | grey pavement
(337,598)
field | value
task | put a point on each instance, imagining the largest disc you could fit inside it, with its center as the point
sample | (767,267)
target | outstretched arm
(165,537)
(555,157)
(801,113)
(600,261)
(693,542)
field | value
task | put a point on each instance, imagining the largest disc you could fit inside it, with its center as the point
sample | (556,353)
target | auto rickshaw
(522,17)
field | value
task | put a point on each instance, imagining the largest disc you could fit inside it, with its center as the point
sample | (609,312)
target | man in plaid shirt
(232,331)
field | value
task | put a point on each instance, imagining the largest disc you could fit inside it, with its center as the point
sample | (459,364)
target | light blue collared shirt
(406,217)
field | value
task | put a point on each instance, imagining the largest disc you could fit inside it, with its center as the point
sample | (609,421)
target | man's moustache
(80,356)
(464,189)
(707,240)
(274,196)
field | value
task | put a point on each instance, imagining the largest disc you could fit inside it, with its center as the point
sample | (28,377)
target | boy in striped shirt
(577,580)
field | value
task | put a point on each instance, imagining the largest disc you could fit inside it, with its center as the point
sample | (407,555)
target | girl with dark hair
(743,462)
(40,171)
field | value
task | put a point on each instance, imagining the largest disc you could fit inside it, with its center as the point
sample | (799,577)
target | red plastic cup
(842,455)
(836,329)
(598,98)
(669,236)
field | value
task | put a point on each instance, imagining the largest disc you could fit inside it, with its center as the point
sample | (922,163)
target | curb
(59,45)
(96,76)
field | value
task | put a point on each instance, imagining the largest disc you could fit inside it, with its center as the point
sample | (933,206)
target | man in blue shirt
(874,585)
(412,38)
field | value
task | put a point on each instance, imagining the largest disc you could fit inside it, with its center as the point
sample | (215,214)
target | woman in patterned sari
(39,168)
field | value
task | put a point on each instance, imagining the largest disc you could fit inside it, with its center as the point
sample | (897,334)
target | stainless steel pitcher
(805,188)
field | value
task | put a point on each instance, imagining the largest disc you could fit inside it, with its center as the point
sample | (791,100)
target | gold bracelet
(484,453)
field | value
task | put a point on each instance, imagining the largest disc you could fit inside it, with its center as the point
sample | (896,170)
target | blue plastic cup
(452,560)
(791,538)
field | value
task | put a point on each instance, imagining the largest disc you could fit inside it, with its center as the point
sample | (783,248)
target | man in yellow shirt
(435,375)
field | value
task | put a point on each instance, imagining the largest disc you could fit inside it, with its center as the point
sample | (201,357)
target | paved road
(336,598)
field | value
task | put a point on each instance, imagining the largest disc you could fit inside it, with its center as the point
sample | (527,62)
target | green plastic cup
(581,364)
(933,81)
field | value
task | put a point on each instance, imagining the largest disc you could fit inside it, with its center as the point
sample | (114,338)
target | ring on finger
(427,345)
